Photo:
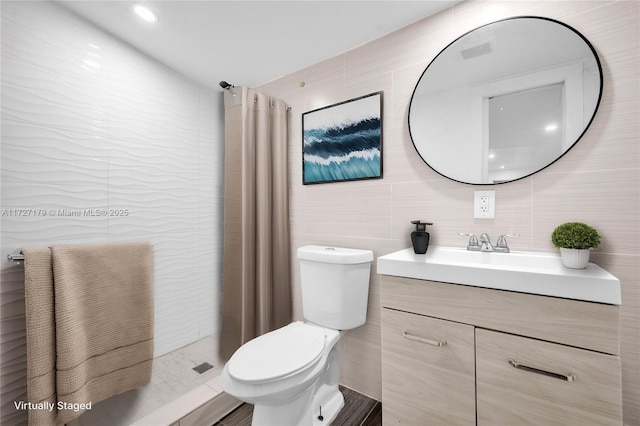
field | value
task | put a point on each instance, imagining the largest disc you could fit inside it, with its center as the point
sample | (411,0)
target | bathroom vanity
(490,347)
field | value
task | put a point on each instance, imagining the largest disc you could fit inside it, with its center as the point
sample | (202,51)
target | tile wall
(597,182)
(90,124)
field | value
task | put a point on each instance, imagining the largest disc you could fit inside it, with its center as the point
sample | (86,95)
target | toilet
(291,375)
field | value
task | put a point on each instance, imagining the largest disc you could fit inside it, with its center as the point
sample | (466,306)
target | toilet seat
(280,353)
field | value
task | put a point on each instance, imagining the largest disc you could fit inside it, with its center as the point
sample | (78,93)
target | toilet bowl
(284,369)
(291,375)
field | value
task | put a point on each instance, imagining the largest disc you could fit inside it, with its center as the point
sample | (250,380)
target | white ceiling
(248,43)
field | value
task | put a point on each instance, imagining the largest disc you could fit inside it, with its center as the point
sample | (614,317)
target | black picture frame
(343,141)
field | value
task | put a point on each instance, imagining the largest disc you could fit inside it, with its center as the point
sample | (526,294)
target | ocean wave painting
(343,141)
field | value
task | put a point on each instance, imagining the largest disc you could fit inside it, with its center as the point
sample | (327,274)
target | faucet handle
(502,239)
(501,245)
(473,241)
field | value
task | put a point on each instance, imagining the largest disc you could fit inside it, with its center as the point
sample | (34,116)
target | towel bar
(15,257)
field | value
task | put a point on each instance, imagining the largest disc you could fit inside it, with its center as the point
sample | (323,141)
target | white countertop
(524,272)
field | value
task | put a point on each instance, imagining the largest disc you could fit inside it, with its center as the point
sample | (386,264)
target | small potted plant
(575,240)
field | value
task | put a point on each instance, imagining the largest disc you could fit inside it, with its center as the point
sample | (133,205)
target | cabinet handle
(439,343)
(566,377)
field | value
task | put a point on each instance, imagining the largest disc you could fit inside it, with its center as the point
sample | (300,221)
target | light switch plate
(484,204)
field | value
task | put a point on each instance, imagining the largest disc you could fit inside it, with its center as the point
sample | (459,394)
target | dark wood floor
(359,410)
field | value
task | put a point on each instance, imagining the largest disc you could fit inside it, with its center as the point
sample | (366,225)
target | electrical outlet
(484,204)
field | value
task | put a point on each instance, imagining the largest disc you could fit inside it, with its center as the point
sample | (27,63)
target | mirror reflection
(505,100)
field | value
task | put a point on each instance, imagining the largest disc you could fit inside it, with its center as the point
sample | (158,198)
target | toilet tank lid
(334,254)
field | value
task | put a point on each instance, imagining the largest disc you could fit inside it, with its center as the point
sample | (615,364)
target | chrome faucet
(485,243)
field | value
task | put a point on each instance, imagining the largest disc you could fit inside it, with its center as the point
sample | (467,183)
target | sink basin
(524,272)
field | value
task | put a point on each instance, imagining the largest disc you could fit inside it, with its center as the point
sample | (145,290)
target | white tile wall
(90,123)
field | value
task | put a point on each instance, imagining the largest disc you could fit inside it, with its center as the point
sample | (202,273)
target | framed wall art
(343,142)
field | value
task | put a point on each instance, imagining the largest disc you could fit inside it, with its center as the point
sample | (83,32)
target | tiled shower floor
(359,410)
(173,376)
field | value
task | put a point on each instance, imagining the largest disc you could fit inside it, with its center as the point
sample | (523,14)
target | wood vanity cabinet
(427,359)
(463,355)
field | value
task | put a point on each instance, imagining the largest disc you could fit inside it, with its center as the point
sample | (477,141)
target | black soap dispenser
(419,237)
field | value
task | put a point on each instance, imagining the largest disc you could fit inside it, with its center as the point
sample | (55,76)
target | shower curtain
(256,282)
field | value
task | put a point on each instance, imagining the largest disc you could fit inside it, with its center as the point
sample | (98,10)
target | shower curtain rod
(228,86)
(271,104)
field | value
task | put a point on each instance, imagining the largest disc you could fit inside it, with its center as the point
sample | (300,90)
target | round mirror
(505,100)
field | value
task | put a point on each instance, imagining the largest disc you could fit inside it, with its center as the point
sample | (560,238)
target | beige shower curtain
(256,283)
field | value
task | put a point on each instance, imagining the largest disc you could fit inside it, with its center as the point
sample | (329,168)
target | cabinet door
(524,381)
(428,371)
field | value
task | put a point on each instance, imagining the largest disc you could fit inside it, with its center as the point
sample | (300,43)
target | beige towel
(103,323)
(41,335)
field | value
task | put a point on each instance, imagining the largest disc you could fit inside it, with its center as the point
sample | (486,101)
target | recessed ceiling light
(551,127)
(145,13)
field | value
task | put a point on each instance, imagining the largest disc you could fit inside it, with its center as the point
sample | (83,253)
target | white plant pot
(575,258)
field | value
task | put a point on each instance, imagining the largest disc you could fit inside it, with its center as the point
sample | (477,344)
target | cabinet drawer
(428,372)
(530,382)
(571,322)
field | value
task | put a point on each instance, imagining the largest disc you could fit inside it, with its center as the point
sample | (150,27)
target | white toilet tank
(335,285)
